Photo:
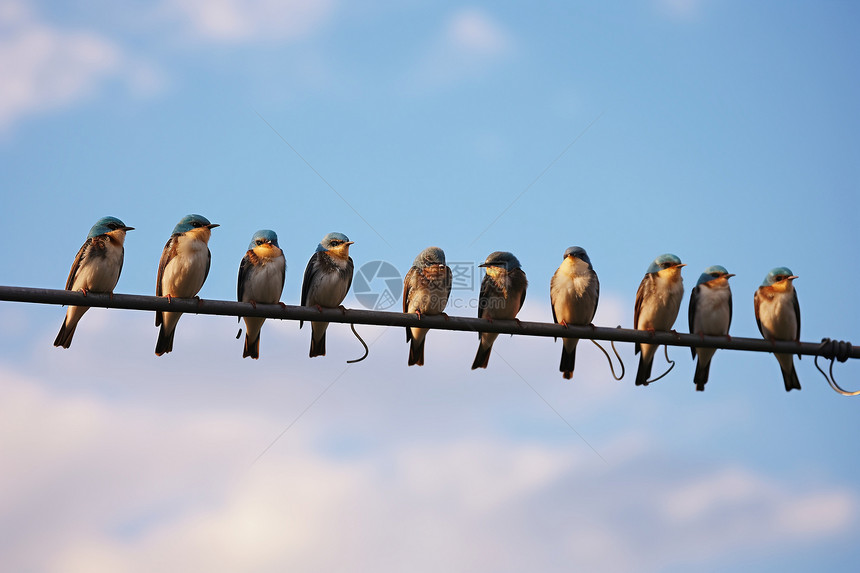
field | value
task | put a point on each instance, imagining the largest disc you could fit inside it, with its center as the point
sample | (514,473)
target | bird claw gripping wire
(609,359)
(835,350)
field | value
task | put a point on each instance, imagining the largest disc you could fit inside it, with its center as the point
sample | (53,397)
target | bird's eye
(195,224)
(259,242)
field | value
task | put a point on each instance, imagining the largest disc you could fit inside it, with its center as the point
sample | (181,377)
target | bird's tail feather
(568,360)
(701,375)
(164,343)
(482,358)
(252,349)
(644,371)
(790,379)
(64,337)
(416,351)
(317,346)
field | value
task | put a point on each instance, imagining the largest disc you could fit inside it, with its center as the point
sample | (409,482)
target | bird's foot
(342,309)
(675,332)
(319,308)
(446,316)
(253,303)
(418,312)
(282,305)
(83,290)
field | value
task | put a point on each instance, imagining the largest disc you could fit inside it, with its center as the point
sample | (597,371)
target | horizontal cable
(379,318)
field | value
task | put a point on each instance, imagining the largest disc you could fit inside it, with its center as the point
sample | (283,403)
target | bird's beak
(791,278)
(483,265)
(348,243)
(128,228)
(212,225)
(679,265)
(730,275)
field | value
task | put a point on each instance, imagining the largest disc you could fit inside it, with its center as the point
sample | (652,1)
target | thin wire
(545,401)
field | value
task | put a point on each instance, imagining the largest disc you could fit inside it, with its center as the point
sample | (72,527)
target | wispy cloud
(48,68)
(470,43)
(251,20)
(149,469)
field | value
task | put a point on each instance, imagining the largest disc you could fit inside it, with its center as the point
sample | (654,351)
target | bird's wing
(596,284)
(283,278)
(407,288)
(484,295)
(245,268)
(796,305)
(552,302)
(691,313)
(77,263)
(757,302)
(525,286)
(310,271)
(449,282)
(640,296)
(166,255)
(208,264)
(350,269)
(730,309)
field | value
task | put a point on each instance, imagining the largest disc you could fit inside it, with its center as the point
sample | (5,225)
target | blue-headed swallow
(503,291)
(426,288)
(261,279)
(777,314)
(573,293)
(658,301)
(96,269)
(710,313)
(182,271)
(328,277)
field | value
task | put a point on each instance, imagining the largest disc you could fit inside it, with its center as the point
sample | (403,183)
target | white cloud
(251,20)
(143,463)
(48,68)
(470,43)
(681,10)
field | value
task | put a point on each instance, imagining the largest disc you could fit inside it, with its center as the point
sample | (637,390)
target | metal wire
(379,318)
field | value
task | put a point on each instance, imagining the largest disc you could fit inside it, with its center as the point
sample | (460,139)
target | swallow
(426,288)
(573,293)
(658,301)
(503,291)
(96,269)
(777,314)
(328,277)
(182,270)
(710,313)
(261,279)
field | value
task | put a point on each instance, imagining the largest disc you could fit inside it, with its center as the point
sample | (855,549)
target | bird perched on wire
(710,313)
(182,270)
(426,288)
(261,279)
(777,314)
(96,268)
(328,277)
(573,292)
(503,291)
(658,301)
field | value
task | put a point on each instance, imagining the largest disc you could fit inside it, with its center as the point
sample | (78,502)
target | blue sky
(725,132)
